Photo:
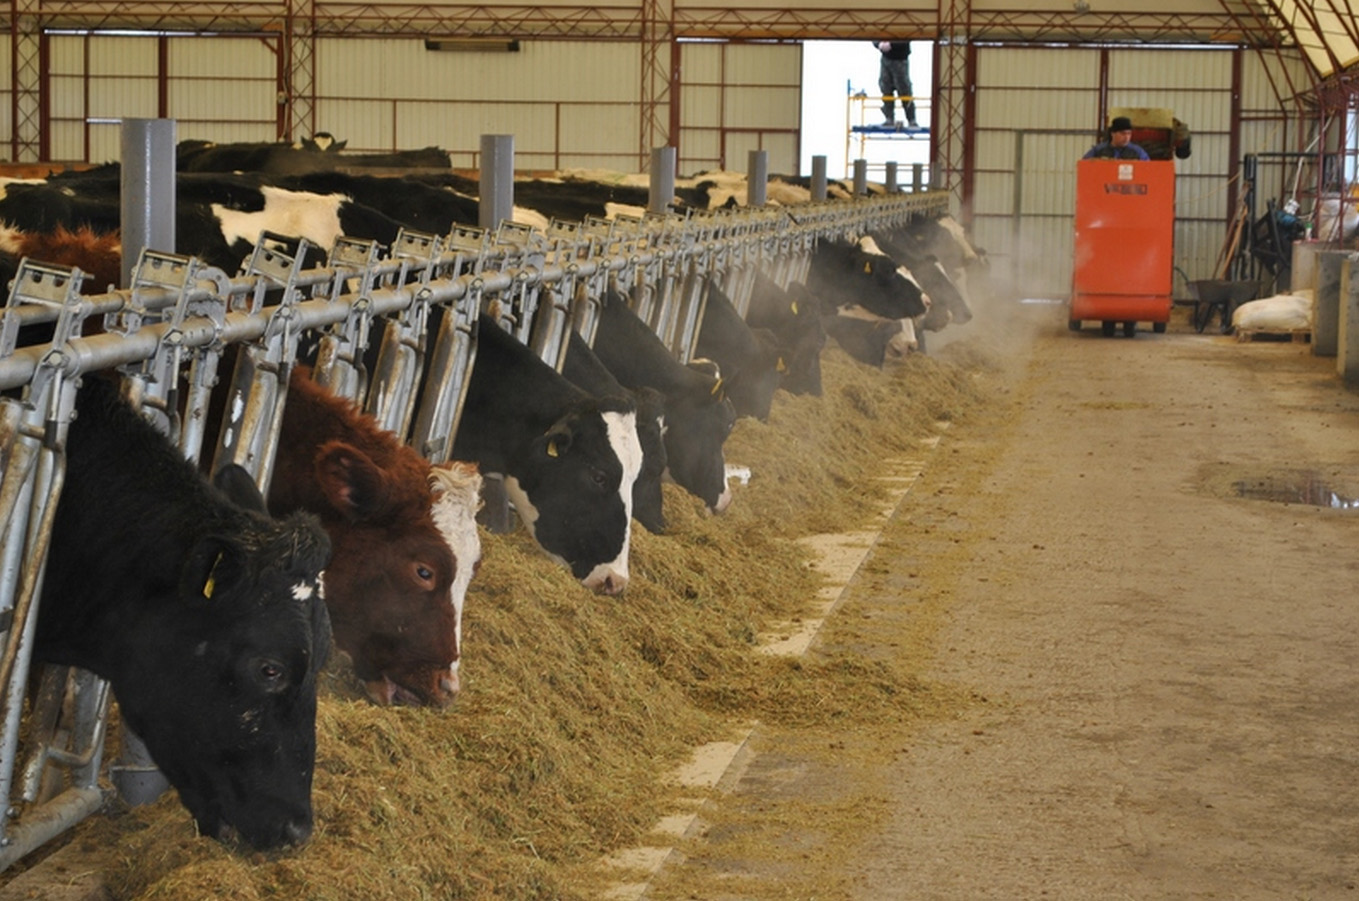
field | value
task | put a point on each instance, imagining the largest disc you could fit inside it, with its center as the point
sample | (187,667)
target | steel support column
(949,114)
(297,95)
(658,71)
(26,78)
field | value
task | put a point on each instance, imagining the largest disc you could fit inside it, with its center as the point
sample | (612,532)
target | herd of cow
(365,542)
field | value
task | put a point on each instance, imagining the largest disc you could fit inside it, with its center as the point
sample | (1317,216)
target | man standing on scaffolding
(894,80)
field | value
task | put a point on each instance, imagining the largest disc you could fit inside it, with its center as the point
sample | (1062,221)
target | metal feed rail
(168,333)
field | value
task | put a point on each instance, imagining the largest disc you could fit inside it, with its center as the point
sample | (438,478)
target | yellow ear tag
(795,308)
(782,367)
(211,583)
(868,268)
(552,448)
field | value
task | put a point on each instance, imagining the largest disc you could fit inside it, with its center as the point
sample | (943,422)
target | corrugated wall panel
(701,106)
(755,107)
(123,55)
(1025,108)
(200,102)
(68,96)
(370,124)
(106,142)
(1170,70)
(1035,67)
(769,64)
(220,57)
(119,98)
(557,98)
(541,70)
(66,55)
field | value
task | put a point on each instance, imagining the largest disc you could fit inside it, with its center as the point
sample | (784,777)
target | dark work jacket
(900,50)
(1107,151)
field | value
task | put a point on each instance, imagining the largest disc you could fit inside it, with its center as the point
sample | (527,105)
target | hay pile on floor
(574,704)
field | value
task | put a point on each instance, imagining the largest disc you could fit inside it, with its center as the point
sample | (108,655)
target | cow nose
(449,686)
(296,832)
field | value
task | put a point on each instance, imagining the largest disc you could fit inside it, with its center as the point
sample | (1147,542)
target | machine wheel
(1107,327)
(1158,327)
(1129,329)
(1074,324)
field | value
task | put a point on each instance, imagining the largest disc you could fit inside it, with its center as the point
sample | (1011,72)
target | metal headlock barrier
(418,305)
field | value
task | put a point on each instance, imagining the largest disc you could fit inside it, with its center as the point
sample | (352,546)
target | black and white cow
(569,459)
(747,358)
(414,203)
(218,216)
(912,248)
(583,369)
(698,416)
(204,615)
(843,273)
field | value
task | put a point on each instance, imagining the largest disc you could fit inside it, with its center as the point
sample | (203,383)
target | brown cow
(404,535)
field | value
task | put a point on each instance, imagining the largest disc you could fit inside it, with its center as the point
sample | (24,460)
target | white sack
(1282,312)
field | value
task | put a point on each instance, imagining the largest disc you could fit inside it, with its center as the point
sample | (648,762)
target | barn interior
(577,709)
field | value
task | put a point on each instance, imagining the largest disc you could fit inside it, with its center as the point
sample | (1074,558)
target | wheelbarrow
(1221,295)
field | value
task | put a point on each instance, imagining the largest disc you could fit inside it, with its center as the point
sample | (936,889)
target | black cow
(204,615)
(569,459)
(584,370)
(284,158)
(794,317)
(747,358)
(698,417)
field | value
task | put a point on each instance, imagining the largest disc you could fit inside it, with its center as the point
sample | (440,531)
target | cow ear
(212,563)
(556,441)
(239,487)
(350,481)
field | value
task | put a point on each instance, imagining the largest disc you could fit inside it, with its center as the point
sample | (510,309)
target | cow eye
(272,674)
(598,477)
(424,576)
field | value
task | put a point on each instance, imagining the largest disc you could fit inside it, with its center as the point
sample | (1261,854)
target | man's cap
(1120,123)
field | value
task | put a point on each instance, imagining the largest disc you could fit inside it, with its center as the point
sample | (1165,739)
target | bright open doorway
(831,72)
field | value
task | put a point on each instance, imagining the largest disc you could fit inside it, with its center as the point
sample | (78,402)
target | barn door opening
(841,110)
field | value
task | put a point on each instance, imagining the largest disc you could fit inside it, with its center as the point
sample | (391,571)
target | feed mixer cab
(1125,230)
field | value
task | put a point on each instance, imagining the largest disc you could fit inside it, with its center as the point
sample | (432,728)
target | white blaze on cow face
(612,577)
(457,497)
(609,577)
(315,217)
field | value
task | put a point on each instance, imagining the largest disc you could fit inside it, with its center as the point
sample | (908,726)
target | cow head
(396,584)
(592,452)
(251,633)
(801,341)
(847,273)
(697,423)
